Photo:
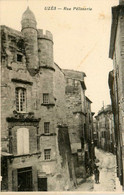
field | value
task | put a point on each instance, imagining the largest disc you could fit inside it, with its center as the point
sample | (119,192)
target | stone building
(95,132)
(116,83)
(79,121)
(41,137)
(105,129)
(36,152)
(89,160)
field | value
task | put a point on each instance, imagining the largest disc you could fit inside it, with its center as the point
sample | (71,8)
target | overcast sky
(81,38)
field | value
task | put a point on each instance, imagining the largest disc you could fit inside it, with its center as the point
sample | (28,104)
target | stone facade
(33,118)
(89,130)
(43,118)
(78,112)
(105,129)
(116,83)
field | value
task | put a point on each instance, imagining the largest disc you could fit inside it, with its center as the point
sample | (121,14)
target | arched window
(20,99)
(22,141)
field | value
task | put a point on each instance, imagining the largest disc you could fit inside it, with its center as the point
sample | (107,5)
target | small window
(20,99)
(75,83)
(19,58)
(47,154)
(45,98)
(46,127)
(89,119)
(3,59)
(67,81)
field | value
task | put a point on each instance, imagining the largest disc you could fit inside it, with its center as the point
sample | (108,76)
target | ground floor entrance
(42,184)
(24,176)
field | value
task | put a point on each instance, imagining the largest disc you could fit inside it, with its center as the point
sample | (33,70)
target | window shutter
(20,141)
(26,140)
(14,181)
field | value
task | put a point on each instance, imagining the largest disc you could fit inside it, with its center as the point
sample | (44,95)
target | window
(22,141)
(75,82)
(21,99)
(67,81)
(47,153)
(45,98)
(89,118)
(46,127)
(19,58)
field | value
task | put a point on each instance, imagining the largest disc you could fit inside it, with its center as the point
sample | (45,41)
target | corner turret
(45,48)
(28,19)
(29,32)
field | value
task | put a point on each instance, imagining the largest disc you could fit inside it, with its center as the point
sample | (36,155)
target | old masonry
(47,123)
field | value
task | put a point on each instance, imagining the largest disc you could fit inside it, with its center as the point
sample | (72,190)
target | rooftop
(105,109)
(115,15)
(28,15)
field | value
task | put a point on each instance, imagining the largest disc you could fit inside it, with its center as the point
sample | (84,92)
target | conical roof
(28,14)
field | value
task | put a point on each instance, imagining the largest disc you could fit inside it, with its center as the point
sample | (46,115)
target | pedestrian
(95,166)
(96,173)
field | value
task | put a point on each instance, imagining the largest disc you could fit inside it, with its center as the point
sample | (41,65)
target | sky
(81,38)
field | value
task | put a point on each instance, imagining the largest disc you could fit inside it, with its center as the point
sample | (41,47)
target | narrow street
(108,178)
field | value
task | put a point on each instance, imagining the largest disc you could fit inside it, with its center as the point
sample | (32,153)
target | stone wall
(118,62)
(75,112)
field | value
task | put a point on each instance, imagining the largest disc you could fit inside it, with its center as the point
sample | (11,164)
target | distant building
(43,116)
(116,83)
(95,132)
(105,129)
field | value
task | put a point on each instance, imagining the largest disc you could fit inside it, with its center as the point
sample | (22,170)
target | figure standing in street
(96,173)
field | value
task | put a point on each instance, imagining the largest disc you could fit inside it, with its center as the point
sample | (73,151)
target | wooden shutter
(26,140)
(22,141)
(19,141)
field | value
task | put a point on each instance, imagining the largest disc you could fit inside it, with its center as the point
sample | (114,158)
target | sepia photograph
(62,96)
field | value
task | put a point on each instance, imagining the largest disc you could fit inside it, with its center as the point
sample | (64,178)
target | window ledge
(18,62)
(49,160)
(48,105)
(49,134)
(21,112)
(48,67)
(79,112)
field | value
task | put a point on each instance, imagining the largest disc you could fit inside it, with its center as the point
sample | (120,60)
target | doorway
(25,179)
(42,184)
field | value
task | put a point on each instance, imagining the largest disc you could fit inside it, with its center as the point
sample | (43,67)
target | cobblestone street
(108,178)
